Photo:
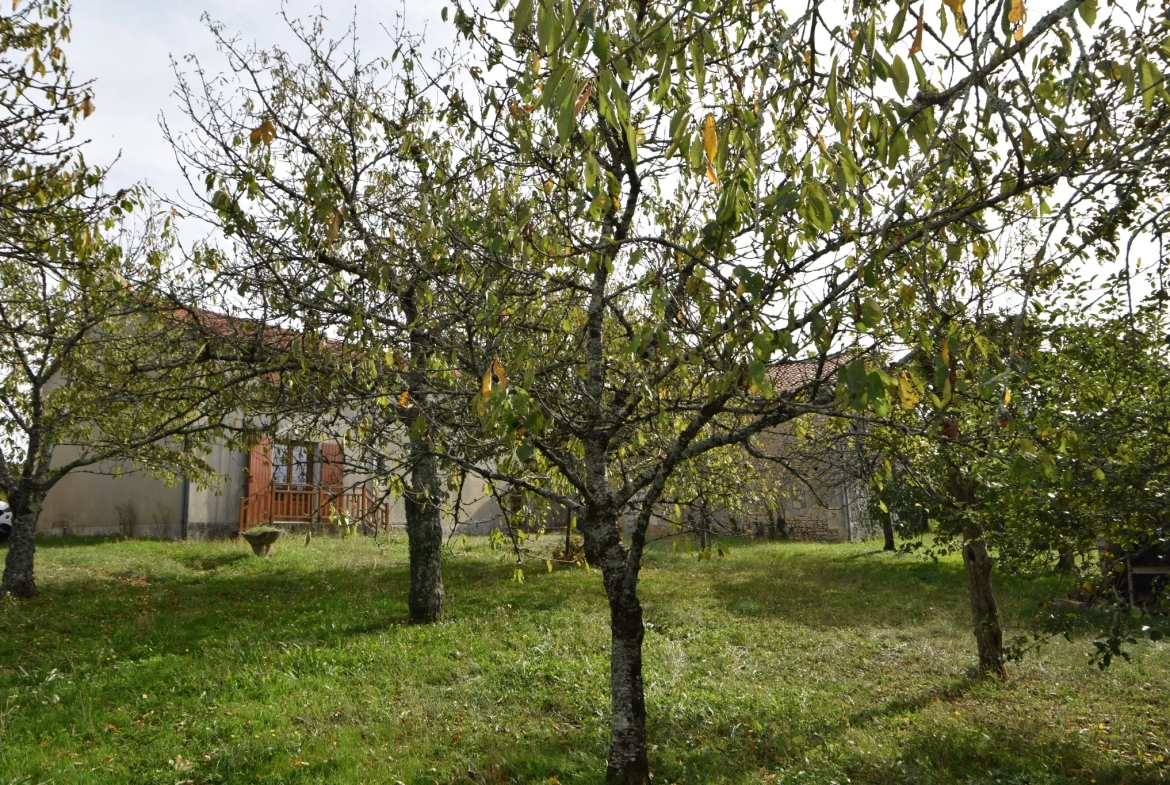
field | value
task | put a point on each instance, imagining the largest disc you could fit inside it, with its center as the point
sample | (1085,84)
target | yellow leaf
(907,395)
(1016,13)
(1007,397)
(404,398)
(267,132)
(710,139)
(548,186)
(916,47)
(946,352)
(334,227)
(739,290)
(254,137)
(87,107)
(486,389)
(711,175)
(956,7)
(1019,34)
(498,370)
(584,97)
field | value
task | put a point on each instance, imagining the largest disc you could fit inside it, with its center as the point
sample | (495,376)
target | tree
(677,197)
(326,176)
(1063,451)
(95,352)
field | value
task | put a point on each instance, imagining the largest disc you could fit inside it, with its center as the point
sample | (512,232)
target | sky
(126,46)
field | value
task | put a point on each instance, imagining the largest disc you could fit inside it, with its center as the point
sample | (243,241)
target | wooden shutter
(260,467)
(332,467)
(256,506)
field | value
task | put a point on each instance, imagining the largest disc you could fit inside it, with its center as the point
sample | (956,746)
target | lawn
(151,662)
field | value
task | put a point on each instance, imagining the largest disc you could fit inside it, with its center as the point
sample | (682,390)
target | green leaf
(547,29)
(901,76)
(1150,77)
(871,313)
(1088,11)
(632,141)
(699,64)
(601,46)
(522,18)
(818,212)
(899,22)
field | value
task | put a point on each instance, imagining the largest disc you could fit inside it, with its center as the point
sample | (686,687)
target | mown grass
(149,662)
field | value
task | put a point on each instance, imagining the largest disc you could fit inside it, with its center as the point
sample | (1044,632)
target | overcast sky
(127,45)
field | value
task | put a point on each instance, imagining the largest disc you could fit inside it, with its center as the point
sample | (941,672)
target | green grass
(148,662)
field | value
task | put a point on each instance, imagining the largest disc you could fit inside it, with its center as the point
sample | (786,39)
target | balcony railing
(313,505)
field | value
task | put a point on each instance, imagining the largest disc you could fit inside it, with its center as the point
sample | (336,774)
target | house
(818,488)
(289,479)
(282,481)
(816,494)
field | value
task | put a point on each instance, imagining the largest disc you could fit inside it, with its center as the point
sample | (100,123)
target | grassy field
(148,662)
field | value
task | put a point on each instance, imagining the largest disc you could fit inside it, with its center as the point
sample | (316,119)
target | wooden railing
(276,505)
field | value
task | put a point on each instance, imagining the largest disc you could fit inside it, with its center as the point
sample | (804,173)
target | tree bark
(424,532)
(22,546)
(628,760)
(985,614)
(1066,560)
(888,532)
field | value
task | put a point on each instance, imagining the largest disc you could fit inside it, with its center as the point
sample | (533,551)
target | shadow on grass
(73,541)
(863,590)
(928,751)
(211,562)
(987,754)
(142,614)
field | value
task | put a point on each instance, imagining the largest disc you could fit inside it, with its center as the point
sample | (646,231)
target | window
(292,464)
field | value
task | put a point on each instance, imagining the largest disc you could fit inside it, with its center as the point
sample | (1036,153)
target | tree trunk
(628,761)
(424,532)
(1066,560)
(888,532)
(985,614)
(22,547)
(627,736)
